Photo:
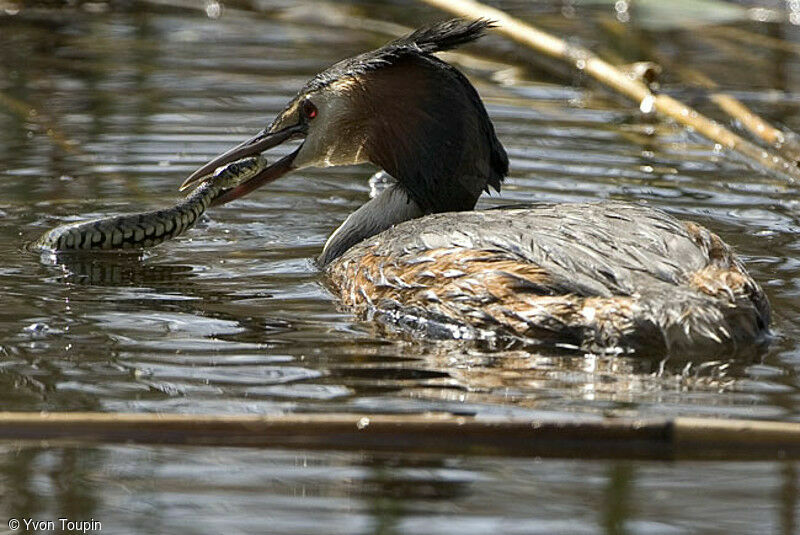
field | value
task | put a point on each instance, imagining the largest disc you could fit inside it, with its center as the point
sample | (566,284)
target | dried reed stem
(786,145)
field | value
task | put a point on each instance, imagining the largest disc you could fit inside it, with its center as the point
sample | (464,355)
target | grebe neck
(390,207)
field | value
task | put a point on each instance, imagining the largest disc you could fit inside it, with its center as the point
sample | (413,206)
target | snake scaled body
(146,229)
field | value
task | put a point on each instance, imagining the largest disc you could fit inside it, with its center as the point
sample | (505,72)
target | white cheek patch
(334,139)
(359,154)
(328,155)
(317,153)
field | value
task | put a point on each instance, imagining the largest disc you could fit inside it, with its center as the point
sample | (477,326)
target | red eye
(309,109)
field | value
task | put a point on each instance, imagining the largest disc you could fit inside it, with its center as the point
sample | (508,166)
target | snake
(146,229)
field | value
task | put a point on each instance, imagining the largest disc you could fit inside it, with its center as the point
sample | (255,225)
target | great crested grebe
(606,276)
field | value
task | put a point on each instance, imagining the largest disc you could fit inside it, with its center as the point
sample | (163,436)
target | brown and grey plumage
(599,276)
(604,276)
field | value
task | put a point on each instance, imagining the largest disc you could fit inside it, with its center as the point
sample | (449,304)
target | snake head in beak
(264,140)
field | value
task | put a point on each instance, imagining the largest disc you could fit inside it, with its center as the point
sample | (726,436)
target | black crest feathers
(427,40)
(443,35)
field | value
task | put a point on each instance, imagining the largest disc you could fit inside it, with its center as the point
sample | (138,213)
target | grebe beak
(257,144)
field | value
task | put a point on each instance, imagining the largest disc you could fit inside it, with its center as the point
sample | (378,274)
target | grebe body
(601,277)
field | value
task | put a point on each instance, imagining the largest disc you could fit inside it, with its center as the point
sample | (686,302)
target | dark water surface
(107,108)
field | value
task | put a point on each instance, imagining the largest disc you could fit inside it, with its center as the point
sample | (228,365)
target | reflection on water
(104,109)
(164,490)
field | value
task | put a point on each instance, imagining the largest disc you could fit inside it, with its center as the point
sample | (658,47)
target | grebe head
(398,107)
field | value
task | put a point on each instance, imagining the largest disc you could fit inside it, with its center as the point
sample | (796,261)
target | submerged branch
(614,78)
(432,434)
(26,112)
